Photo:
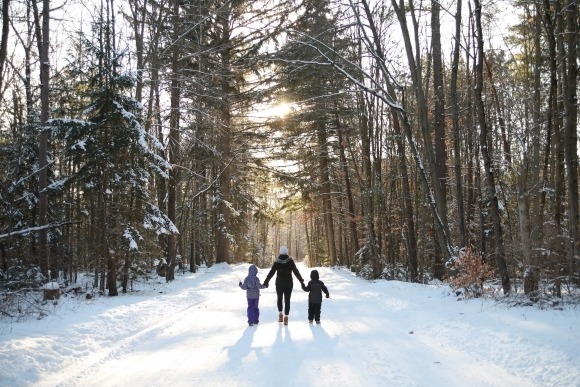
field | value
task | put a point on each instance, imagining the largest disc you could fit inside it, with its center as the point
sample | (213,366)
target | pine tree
(305,78)
(113,155)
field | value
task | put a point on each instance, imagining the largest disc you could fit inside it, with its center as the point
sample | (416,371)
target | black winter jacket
(284,266)
(315,287)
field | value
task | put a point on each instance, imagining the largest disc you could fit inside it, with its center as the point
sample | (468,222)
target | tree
(439,128)
(222,83)
(174,140)
(386,90)
(43,41)
(114,156)
(492,194)
(461,215)
(315,124)
(570,87)
(553,131)
(4,42)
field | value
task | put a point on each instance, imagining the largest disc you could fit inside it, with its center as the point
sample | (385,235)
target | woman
(284,266)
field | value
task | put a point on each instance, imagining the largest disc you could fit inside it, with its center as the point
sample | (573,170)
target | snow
(132,243)
(193,332)
(81,145)
(51,285)
(58,184)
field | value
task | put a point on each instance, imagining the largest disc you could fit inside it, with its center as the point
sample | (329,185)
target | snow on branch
(30,230)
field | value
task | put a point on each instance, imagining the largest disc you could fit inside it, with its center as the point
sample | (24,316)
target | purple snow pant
(253,311)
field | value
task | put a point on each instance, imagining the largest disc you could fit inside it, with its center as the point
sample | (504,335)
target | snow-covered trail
(372,334)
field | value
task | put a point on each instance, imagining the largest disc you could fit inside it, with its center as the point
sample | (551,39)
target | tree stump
(51,291)
(162,268)
(531,281)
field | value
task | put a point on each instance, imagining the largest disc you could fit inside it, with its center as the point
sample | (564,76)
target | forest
(411,140)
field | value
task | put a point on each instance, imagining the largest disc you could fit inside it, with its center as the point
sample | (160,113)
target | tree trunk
(174,139)
(439,127)
(551,124)
(138,11)
(535,186)
(410,232)
(105,250)
(4,42)
(461,216)
(507,152)
(485,145)
(43,146)
(530,161)
(571,133)
(111,258)
(223,241)
(523,215)
(324,176)
(351,211)
(367,184)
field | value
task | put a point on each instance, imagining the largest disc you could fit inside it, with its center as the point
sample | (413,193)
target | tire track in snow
(88,365)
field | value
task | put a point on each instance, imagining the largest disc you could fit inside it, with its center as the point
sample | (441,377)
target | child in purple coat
(252,287)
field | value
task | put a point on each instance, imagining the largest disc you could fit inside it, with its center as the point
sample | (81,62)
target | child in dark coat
(315,287)
(252,287)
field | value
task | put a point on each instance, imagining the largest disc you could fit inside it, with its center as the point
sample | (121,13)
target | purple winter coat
(252,283)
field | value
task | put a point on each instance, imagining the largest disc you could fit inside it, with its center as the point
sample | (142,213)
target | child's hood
(314,275)
(253,270)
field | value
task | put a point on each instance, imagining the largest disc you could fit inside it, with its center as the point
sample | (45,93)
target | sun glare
(275,111)
(281,110)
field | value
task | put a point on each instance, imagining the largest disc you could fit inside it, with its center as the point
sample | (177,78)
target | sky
(194,332)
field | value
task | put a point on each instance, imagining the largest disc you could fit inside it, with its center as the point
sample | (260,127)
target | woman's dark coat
(284,266)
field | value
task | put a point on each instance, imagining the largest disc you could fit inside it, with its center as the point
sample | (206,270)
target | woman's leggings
(286,292)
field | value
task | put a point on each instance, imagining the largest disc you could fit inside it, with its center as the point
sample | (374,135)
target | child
(252,287)
(315,287)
